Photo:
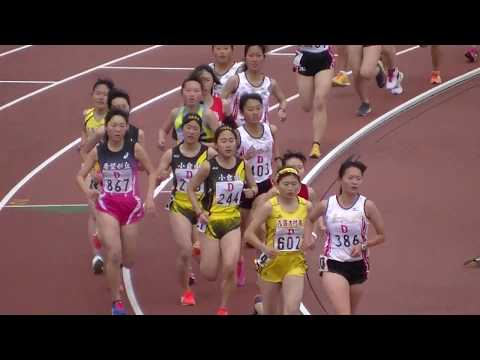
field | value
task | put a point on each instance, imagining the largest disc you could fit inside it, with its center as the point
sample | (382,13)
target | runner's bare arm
(142,156)
(375,217)
(259,217)
(277,159)
(141,137)
(281,98)
(87,166)
(227,109)
(200,176)
(318,210)
(94,139)
(230,87)
(163,169)
(166,127)
(252,185)
(212,120)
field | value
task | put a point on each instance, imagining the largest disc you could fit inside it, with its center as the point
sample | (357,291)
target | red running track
(54,245)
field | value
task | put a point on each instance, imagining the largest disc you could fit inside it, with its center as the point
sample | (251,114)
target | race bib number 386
(228,193)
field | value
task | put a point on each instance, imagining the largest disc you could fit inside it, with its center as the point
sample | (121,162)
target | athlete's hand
(162,175)
(282,115)
(161,144)
(93,194)
(357,250)
(249,193)
(203,217)
(308,242)
(98,177)
(250,153)
(150,207)
(270,252)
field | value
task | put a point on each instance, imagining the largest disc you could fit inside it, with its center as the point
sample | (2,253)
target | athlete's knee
(114,256)
(208,272)
(320,102)
(368,73)
(291,309)
(184,255)
(229,270)
(307,107)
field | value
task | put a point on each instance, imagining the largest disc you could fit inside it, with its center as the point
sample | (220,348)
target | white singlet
(345,228)
(261,163)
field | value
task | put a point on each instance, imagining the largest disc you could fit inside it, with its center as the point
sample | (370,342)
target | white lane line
(126,272)
(284,54)
(26,82)
(271,52)
(146,68)
(15,50)
(381,121)
(59,153)
(35,206)
(63,81)
(384,119)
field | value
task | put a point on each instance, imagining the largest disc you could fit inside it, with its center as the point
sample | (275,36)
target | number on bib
(345,240)
(287,242)
(228,193)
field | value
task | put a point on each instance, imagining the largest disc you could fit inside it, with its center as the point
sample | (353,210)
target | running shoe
(380,78)
(341,79)
(315,152)
(196,249)
(398,89)
(435,78)
(241,273)
(118,308)
(472,55)
(97,265)
(188,299)
(392,78)
(364,109)
(222,311)
(192,279)
(256,300)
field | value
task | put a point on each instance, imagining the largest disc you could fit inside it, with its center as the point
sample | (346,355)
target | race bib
(228,193)
(117,181)
(323,265)
(297,59)
(183,177)
(261,167)
(261,262)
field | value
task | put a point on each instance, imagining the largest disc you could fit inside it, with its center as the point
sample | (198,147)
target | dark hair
(347,164)
(249,96)
(107,82)
(293,155)
(263,47)
(113,112)
(192,78)
(230,121)
(223,128)
(117,93)
(232,46)
(281,173)
(192,117)
(200,69)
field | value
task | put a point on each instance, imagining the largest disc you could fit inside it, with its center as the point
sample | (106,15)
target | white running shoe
(392,79)
(97,264)
(397,90)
